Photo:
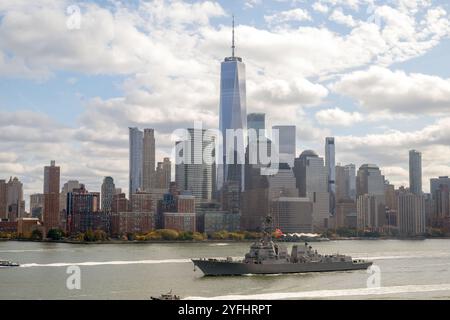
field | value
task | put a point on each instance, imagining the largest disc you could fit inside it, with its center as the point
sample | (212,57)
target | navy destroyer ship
(269,257)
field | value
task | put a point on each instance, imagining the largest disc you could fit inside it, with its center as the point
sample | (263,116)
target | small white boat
(7,263)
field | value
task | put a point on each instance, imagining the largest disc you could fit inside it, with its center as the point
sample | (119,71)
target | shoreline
(228,241)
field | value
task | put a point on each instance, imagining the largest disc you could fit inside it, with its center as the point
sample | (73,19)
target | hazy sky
(374,74)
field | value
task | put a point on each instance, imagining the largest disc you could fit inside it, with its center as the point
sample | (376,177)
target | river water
(407,270)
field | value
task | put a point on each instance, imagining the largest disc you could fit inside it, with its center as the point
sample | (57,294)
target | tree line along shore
(169,235)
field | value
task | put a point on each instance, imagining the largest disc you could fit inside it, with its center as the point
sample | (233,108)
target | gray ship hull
(227,268)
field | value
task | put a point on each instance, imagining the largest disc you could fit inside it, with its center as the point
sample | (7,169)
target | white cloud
(338,16)
(396,91)
(338,117)
(170,53)
(320,7)
(288,16)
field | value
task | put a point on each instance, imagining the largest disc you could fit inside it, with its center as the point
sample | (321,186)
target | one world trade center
(233,119)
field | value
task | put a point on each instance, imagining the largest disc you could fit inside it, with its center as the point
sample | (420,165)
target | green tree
(100,235)
(197,236)
(89,236)
(168,234)
(186,235)
(36,235)
(55,234)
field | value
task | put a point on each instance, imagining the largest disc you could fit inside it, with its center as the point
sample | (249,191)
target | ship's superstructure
(268,257)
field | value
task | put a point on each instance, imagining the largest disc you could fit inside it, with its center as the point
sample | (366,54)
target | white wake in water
(102,263)
(332,293)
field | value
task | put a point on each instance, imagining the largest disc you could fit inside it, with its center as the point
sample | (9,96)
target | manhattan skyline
(378,103)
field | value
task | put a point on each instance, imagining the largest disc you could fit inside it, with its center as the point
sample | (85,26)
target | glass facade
(136,146)
(233,114)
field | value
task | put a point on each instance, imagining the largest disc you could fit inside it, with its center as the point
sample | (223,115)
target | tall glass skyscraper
(287,144)
(136,160)
(330,163)
(233,115)
(415,172)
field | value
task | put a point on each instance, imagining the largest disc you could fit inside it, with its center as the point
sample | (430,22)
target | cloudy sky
(374,74)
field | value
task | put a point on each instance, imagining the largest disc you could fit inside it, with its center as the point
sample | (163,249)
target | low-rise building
(131,222)
(180,221)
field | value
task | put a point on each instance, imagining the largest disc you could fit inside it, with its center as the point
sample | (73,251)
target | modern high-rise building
(293,214)
(371,212)
(51,216)
(14,199)
(312,182)
(256,201)
(345,182)
(136,161)
(141,202)
(3,200)
(330,164)
(108,191)
(233,116)
(256,121)
(287,144)
(163,174)
(415,172)
(411,214)
(69,186)
(436,183)
(81,207)
(369,180)
(37,205)
(194,173)
(148,160)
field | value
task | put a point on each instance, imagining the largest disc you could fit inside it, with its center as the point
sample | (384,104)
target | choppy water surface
(409,269)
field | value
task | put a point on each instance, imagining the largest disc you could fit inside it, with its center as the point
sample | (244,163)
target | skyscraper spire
(233,47)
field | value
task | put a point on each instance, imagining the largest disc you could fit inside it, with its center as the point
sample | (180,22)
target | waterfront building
(215,221)
(180,221)
(293,214)
(125,222)
(25,226)
(371,212)
(80,204)
(411,214)
(415,172)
